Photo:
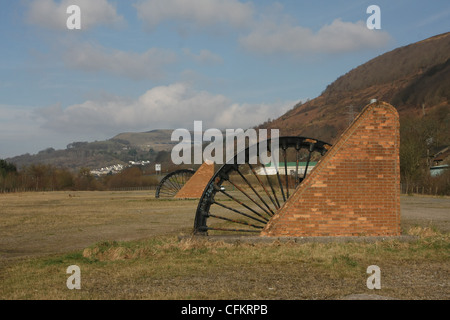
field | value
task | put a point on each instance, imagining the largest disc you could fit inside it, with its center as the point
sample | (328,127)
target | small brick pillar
(197,183)
(355,189)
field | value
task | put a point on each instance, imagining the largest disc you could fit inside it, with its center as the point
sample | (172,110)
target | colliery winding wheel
(241,198)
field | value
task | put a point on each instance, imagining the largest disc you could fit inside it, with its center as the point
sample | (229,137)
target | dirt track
(33,224)
(426,211)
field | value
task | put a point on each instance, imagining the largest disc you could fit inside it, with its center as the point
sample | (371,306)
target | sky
(140,65)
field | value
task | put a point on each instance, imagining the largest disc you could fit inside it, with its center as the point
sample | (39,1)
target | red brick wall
(355,189)
(197,183)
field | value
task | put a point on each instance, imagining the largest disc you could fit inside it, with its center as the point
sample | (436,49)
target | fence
(433,191)
(405,189)
(18,190)
(149,188)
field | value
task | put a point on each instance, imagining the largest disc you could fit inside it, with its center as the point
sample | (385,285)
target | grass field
(127,246)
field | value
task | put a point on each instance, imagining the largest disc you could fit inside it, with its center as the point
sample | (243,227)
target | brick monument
(355,189)
(197,183)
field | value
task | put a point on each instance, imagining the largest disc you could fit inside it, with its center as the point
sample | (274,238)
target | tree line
(46,177)
(420,138)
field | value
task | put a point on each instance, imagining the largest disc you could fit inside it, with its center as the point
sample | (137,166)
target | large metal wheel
(241,198)
(172,183)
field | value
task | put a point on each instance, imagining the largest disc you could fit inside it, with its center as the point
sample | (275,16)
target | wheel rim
(173,182)
(241,198)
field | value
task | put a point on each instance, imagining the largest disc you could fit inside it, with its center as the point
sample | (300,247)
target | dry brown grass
(160,266)
(47,222)
(167,268)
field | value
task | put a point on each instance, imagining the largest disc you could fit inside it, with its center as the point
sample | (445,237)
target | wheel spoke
(242,204)
(235,221)
(264,187)
(240,212)
(257,194)
(248,196)
(271,187)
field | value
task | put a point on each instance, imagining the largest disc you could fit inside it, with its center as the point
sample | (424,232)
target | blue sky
(141,65)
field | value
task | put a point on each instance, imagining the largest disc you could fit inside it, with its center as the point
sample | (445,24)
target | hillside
(157,140)
(120,149)
(414,78)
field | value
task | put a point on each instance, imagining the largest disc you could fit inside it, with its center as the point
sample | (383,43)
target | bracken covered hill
(414,78)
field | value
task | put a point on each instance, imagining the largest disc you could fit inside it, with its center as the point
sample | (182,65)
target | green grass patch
(168,268)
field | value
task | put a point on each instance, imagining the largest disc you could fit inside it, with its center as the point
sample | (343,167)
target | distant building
(439,162)
(116,168)
(438,170)
(291,167)
(139,163)
(442,156)
(108,170)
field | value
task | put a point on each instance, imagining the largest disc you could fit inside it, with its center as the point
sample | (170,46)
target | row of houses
(116,168)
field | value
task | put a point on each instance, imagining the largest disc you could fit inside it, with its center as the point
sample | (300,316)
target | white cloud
(20,131)
(53,15)
(204,57)
(171,106)
(165,107)
(198,13)
(270,37)
(267,31)
(95,58)
(247,115)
